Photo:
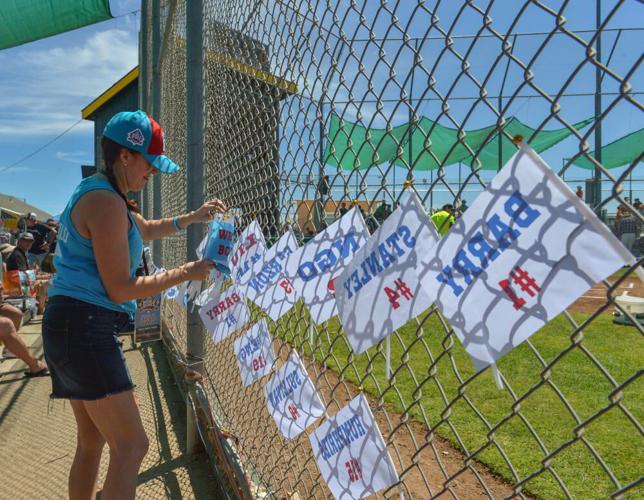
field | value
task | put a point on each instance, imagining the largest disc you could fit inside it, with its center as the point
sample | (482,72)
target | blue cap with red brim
(137,131)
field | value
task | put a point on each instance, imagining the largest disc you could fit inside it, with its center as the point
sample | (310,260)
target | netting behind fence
(439,89)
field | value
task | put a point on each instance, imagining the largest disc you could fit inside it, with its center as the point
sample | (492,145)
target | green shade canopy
(623,151)
(352,146)
(24,21)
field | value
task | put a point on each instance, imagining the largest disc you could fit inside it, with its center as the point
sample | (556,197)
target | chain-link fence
(283,82)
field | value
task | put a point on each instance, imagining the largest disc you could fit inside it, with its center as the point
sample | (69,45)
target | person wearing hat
(18,260)
(42,237)
(93,295)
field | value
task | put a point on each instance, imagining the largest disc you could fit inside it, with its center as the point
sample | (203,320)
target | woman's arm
(157,229)
(104,216)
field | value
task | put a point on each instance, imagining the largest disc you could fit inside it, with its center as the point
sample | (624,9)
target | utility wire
(15,164)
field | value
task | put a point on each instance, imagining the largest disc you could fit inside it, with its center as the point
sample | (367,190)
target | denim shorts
(82,349)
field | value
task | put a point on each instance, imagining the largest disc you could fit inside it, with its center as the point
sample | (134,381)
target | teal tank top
(76,270)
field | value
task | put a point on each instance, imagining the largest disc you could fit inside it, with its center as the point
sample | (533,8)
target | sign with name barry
(523,252)
(268,287)
(351,453)
(379,290)
(254,353)
(225,314)
(314,267)
(248,249)
(292,399)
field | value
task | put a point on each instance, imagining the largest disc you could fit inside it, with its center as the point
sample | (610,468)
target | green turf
(429,386)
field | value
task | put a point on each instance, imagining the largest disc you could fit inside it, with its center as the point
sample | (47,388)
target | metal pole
(500,104)
(598,109)
(143,82)
(195,195)
(156,112)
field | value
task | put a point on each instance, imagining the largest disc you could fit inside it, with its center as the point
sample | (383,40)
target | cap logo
(136,137)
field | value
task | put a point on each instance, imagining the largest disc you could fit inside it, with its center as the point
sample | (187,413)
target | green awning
(352,146)
(623,151)
(24,21)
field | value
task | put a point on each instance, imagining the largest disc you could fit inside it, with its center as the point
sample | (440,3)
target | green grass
(425,386)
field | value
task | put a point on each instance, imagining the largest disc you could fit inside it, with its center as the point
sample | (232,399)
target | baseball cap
(32,215)
(26,236)
(137,131)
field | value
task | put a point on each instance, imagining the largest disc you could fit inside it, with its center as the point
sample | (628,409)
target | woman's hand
(207,210)
(199,270)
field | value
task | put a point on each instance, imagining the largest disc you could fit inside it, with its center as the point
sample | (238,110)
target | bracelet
(175,223)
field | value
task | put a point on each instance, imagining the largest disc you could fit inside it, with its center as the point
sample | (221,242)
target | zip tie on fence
(517,139)
(408,183)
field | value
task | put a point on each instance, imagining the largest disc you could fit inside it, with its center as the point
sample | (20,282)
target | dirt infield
(596,297)
(289,466)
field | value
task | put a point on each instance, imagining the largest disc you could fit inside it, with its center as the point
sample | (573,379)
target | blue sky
(44,85)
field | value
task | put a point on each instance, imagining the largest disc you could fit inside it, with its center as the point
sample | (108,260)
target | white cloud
(76,157)
(44,90)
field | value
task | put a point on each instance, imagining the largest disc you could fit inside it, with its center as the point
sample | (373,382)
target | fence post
(143,82)
(194,168)
(156,112)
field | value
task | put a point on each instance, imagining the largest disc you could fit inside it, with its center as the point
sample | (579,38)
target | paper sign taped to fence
(379,290)
(292,399)
(225,314)
(314,268)
(523,252)
(351,453)
(268,286)
(248,249)
(254,351)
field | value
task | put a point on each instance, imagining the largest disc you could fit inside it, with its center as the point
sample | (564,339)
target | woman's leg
(89,446)
(13,313)
(16,345)
(117,419)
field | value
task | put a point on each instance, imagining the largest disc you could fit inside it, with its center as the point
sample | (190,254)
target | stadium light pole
(597,198)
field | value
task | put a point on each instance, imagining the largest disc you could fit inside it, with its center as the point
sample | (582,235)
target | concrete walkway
(38,436)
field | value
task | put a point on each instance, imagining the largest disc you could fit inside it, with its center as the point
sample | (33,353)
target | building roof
(105,97)
(19,206)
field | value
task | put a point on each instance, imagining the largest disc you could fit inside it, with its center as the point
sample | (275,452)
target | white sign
(292,399)
(248,249)
(268,287)
(225,314)
(254,352)
(379,290)
(523,252)
(351,453)
(314,267)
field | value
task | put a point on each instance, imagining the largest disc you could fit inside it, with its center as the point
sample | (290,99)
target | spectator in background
(443,219)
(343,209)
(626,229)
(580,193)
(18,260)
(638,204)
(381,212)
(42,237)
